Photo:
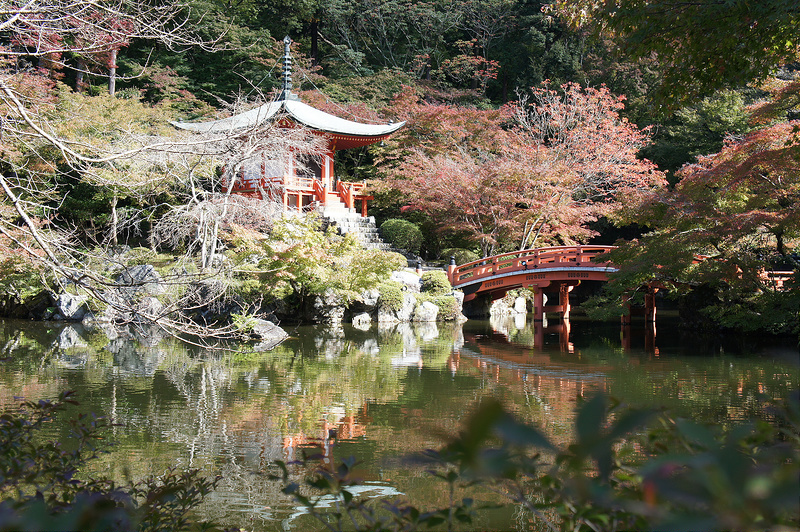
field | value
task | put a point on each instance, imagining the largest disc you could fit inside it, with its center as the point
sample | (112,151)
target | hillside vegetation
(528,124)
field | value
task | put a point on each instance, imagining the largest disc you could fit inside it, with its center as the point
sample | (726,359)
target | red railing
(560,257)
(292,184)
(777,279)
(529,259)
(319,191)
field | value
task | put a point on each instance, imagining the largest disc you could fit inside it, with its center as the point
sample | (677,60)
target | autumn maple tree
(529,174)
(582,159)
(733,218)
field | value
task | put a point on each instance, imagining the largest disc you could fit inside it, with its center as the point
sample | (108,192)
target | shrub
(402,234)
(435,282)
(367,268)
(391,295)
(461,255)
(624,469)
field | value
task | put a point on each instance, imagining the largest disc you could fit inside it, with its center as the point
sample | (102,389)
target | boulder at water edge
(269,334)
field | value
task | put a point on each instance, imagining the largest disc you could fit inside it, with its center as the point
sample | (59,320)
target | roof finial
(286,91)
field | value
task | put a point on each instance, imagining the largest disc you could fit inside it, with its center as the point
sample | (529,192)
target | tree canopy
(700,47)
(528,123)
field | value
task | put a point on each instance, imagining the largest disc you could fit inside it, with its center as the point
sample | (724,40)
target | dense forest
(666,127)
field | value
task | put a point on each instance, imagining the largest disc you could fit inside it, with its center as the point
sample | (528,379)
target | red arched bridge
(557,269)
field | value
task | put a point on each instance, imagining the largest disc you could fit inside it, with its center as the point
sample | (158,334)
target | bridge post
(625,336)
(451,270)
(625,318)
(650,305)
(538,304)
(538,334)
(650,338)
(563,299)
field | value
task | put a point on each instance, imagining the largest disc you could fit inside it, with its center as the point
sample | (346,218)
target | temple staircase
(347,221)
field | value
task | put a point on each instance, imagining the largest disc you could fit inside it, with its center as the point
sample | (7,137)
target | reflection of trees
(238,411)
(226,407)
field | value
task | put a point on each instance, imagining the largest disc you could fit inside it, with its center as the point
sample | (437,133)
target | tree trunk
(80,76)
(313,30)
(114,221)
(112,73)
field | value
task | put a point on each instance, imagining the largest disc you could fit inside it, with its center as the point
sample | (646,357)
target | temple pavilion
(314,183)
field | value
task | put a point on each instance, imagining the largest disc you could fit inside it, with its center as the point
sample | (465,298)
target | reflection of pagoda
(314,185)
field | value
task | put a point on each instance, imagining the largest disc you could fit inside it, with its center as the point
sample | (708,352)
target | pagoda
(313,183)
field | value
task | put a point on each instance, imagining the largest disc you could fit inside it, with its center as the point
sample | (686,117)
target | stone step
(363,229)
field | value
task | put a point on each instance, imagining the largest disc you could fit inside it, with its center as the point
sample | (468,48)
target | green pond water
(383,393)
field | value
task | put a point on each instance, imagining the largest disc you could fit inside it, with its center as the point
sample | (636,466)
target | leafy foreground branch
(41,489)
(626,469)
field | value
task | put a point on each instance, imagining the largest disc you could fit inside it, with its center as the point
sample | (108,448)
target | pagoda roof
(299,112)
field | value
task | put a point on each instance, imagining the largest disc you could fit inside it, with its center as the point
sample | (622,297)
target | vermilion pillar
(538,304)
(650,305)
(563,299)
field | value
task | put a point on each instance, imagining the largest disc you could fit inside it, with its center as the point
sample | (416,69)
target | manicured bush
(435,282)
(402,234)
(391,295)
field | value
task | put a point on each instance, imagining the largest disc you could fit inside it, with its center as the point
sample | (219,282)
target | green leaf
(695,433)
(514,432)
(629,422)
(589,420)
(347,496)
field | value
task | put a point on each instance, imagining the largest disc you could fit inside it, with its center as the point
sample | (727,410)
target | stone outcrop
(410,280)
(388,314)
(269,334)
(425,312)
(327,309)
(141,278)
(70,307)
(509,306)
(362,321)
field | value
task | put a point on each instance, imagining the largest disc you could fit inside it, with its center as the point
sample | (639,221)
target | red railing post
(451,271)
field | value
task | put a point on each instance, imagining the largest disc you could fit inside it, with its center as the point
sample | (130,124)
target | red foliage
(567,159)
(92,34)
(751,187)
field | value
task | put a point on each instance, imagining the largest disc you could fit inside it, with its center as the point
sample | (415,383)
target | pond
(378,395)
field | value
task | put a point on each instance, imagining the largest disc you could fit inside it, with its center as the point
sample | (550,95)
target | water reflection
(376,394)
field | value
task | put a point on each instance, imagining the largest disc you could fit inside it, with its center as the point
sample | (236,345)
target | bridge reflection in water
(632,337)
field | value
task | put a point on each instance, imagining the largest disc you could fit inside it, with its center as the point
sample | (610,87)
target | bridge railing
(777,279)
(529,259)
